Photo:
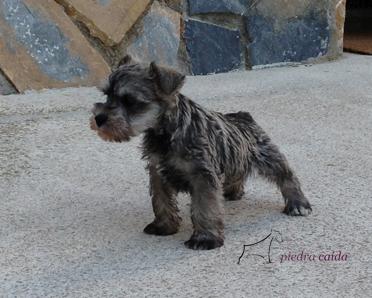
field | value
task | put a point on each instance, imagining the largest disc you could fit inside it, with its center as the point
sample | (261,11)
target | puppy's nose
(100,119)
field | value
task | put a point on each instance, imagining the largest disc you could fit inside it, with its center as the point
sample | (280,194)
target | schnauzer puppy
(190,149)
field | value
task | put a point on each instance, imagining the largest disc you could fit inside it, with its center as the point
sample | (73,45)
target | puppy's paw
(204,241)
(298,208)
(160,229)
(233,196)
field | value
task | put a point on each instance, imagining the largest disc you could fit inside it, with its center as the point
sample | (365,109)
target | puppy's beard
(112,130)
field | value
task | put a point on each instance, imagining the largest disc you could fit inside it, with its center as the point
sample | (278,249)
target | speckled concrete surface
(73,207)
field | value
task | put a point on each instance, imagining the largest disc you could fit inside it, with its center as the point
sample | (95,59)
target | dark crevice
(358,26)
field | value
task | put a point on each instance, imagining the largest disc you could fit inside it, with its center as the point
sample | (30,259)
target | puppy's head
(137,95)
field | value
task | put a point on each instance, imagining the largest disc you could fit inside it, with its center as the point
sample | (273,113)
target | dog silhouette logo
(265,245)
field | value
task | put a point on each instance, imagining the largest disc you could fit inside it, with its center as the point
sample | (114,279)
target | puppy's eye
(129,101)
(132,104)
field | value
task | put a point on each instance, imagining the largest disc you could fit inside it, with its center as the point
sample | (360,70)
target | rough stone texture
(336,22)
(211,48)
(177,5)
(283,30)
(295,40)
(271,32)
(158,38)
(222,6)
(73,207)
(108,20)
(41,48)
(279,10)
(6,87)
(283,10)
(104,2)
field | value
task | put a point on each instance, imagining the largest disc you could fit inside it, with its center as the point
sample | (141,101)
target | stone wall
(266,32)
(59,43)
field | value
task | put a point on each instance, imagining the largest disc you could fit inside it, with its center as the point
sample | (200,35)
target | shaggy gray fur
(190,149)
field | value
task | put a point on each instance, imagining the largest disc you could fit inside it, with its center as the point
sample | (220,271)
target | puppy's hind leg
(233,191)
(167,220)
(273,165)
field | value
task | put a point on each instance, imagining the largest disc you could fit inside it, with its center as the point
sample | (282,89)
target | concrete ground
(73,207)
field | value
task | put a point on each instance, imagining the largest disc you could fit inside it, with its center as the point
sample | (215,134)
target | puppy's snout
(98,105)
(100,119)
(97,108)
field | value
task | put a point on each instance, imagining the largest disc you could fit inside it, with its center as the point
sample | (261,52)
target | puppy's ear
(168,80)
(126,60)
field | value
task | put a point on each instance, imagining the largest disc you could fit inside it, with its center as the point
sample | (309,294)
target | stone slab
(297,40)
(212,48)
(339,22)
(108,20)
(40,47)
(6,87)
(221,6)
(177,5)
(104,2)
(283,10)
(158,38)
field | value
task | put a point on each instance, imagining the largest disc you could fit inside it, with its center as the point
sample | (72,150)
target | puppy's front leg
(167,220)
(206,215)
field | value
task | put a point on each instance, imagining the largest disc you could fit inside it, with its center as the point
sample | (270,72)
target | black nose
(100,119)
